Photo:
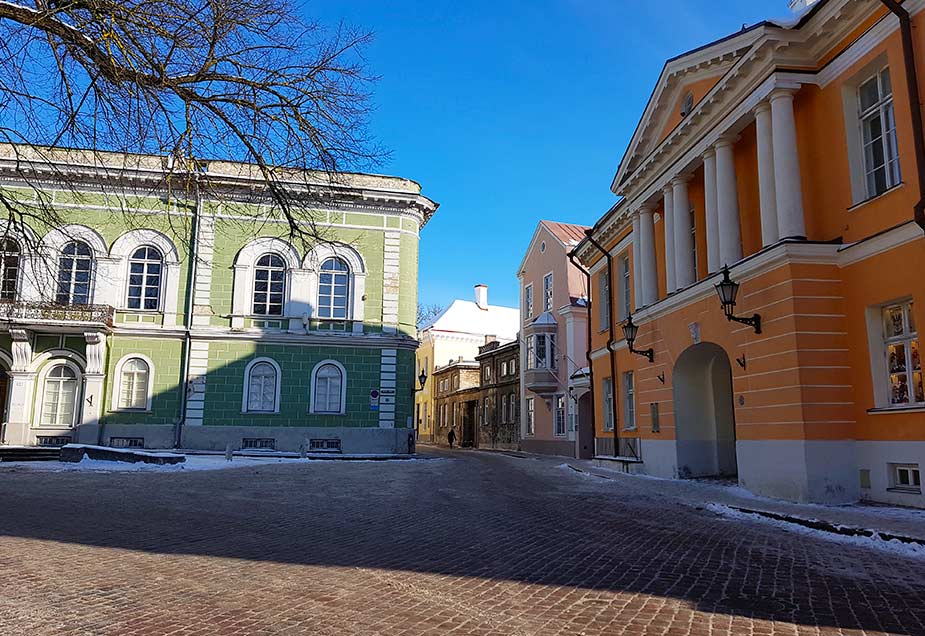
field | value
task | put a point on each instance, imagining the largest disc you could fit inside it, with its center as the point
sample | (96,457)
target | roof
(464,316)
(569,233)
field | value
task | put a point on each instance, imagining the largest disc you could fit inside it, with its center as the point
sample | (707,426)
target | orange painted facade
(811,394)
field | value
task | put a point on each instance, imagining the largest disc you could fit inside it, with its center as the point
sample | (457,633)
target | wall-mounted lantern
(728,289)
(629,332)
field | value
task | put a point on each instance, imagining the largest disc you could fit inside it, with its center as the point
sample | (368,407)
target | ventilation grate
(330,445)
(127,442)
(259,443)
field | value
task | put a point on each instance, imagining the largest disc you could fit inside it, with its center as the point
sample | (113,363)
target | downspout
(610,342)
(915,108)
(188,316)
(587,275)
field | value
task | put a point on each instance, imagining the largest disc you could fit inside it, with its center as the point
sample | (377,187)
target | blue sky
(512,111)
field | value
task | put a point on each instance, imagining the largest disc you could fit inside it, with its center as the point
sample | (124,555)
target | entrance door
(704,412)
(585,428)
(468,432)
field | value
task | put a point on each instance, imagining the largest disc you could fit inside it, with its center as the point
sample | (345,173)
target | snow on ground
(894,546)
(192,463)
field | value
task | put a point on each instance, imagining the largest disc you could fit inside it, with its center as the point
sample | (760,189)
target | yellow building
(791,153)
(453,335)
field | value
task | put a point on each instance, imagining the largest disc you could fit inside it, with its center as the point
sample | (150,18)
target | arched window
(145,269)
(59,399)
(9,268)
(269,285)
(262,388)
(328,389)
(133,384)
(333,289)
(75,267)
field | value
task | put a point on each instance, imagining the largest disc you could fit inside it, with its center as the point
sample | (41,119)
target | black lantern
(422,379)
(630,330)
(728,289)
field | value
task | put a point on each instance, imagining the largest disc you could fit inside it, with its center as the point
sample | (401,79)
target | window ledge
(118,410)
(906,491)
(861,204)
(885,410)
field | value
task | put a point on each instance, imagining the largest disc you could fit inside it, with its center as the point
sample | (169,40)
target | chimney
(490,338)
(481,296)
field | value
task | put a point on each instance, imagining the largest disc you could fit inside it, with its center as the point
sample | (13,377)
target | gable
(697,89)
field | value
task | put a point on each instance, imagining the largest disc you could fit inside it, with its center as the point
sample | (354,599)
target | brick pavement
(471,543)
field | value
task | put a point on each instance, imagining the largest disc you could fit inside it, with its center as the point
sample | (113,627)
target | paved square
(470,543)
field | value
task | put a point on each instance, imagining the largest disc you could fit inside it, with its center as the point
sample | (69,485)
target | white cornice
(880,243)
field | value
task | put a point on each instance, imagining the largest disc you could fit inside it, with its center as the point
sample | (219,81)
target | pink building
(556,414)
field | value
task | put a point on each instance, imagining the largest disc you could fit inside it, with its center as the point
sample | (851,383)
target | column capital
(709,153)
(681,179)
(762,107)
(781,93)
(668,189)
(725,140)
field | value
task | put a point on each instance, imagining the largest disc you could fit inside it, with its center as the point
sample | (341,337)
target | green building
(176,312)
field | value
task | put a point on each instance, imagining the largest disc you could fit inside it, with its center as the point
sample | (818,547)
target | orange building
(790,153)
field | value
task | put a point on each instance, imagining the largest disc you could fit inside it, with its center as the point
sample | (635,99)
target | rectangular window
(528,301)
(553,353)
(904,363)
(530,413)
(656,426)
(547,292)
(560,416)
(878,133)
(607,404)
(456,382)
(603,301)
(629,402)
(694,242)
(504,368)
(906,477)
(531,351)
(540,351)
(625,308)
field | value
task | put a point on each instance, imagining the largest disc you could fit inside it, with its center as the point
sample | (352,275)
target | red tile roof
(568,233)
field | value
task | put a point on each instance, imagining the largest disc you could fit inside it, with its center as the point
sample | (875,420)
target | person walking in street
(451,437)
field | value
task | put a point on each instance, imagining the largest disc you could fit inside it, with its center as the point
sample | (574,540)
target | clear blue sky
(512,111)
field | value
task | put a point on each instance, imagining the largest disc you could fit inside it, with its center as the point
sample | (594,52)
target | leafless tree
(241,80)
(427,313)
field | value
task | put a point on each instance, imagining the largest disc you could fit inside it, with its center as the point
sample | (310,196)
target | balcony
(44,313)
(541,380)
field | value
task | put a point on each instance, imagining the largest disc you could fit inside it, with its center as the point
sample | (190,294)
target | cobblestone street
(465,543)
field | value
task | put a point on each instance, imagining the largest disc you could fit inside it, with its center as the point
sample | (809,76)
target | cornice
(369,341)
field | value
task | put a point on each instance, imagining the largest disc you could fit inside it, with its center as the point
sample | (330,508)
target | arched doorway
(704,412)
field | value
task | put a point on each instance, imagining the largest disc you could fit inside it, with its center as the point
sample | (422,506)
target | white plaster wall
(876,457)
(796,470)
(660,457)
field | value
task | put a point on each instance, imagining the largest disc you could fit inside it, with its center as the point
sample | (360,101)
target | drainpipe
(587,275)
(188,315)
(915,108)
(610,341)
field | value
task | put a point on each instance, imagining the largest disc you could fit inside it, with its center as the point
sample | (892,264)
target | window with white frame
(528,301)
(269,285)
(9,268)
(541,351)
(503,368)
(625,295)
(531,425)
(629,401)
(878,133)
(560,424)
(486,374)
(906,477)
(603,301)
(694,243)
(59,397)
(334,289)
(134,377)
(75,270)
(904,363)
(328,389)
(547,292)
(145,269)
(262,388)
(607,403)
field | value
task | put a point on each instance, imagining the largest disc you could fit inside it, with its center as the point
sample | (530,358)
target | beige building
(457,333)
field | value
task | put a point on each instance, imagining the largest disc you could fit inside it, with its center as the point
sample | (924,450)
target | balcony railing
(30,311)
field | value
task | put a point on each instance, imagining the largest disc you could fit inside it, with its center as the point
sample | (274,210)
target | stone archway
(704,412)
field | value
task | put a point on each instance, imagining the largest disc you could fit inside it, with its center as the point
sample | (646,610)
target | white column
(637,262)
(670,280)
(789,192)
(21,389)
(647,256)
(683,243)
(709,190)
(727,204)
(92,399)
(766,189)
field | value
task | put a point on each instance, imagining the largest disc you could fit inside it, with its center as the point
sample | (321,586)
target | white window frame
(548,291)
(117,384)
(607,425)
(528,301)
(247,381)
(144,276)
(603,300)
(559,407)
(52,364)
(914,473)
(72,273)
(629,401)
(122,250)
(348,300)
(883,109)
(694,242)
(908,339)
(530,417)
(625,288)
(343,389)
(284,270)
(5,254)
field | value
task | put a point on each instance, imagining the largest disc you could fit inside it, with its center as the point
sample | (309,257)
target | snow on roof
(569,233)
(464,316)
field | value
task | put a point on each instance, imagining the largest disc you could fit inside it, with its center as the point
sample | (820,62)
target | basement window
(53,440)
(127,442)
(258,443)
(325,445)
(906,478)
